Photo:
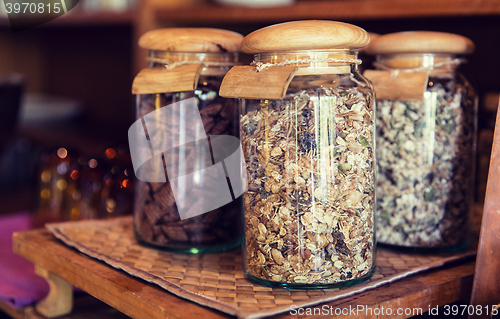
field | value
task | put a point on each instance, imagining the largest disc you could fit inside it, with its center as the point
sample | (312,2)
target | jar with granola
(178,109)
(307,130)
(426,133)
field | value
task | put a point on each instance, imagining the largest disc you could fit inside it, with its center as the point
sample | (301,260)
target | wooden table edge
(130,295)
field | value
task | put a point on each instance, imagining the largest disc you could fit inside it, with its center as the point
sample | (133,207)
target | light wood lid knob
(305,35)
(191,40)
(421,42)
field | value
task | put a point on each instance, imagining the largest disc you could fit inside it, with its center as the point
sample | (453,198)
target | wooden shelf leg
(59,301)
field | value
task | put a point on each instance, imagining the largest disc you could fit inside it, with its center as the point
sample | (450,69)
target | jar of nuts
(307,130)
(186,68)
(426,133)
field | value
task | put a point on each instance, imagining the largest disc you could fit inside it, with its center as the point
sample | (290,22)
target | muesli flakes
(425,153)
(309,208)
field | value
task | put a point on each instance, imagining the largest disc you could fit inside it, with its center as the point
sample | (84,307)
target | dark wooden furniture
(486,290)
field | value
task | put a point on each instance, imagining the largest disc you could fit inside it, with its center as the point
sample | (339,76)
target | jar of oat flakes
(307,130)
(426,133)
(178,109)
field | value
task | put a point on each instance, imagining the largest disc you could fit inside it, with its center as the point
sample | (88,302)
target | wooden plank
(332,10)
(139,299)
(486,290)
(59,301)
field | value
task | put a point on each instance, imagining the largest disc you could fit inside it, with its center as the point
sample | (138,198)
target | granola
(308,211)
(156,216)
(425,153)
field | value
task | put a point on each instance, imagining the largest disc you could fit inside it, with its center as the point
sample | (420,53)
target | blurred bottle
(73,187)
(52,185)
(117,191)
(71,203)
(92,175)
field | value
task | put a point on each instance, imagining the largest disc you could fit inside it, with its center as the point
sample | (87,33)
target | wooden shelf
(142,300)
(95,18)
(334,10)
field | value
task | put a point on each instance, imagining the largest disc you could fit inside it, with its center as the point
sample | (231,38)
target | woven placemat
(217,280)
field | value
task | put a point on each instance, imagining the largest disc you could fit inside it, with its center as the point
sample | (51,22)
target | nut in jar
(187,66)
(426,128)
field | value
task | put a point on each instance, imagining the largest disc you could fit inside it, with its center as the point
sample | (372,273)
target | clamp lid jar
(307,129)
(179,109)
(426,132)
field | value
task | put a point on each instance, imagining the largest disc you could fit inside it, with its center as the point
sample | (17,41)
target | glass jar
(308,210)
(426,144)
(157,217)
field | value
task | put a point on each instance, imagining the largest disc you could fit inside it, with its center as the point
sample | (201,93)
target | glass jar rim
(213,63)
(175,56)
(340,59)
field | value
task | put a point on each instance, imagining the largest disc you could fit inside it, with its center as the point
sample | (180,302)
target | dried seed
(276,277)
(363,141)
(261,257)
(340,141)
(277,256)
(306,253)
(251,127)
(429,194)
(306,141)
(276,152)
(276,176)
(282,231)
(275,188)
(262,229)
(345,167)
(300,279)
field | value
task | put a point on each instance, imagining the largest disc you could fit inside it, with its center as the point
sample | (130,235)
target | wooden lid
(305,35)
(191,40)
(421,42)
(373,36)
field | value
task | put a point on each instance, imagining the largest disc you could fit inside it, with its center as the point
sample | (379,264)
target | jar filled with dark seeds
(186,68)
(307,129)
(426,132)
